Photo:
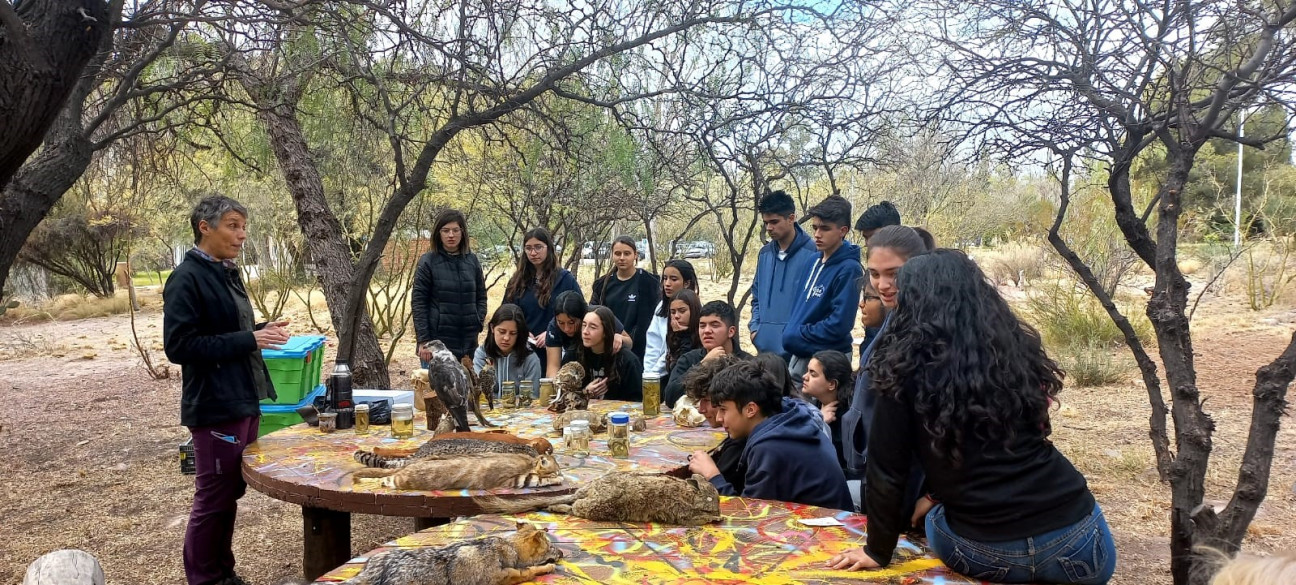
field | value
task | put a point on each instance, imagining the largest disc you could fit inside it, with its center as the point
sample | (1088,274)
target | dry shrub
(1190,265)
(1017,263)
(1089,366)
(1269,271)
(69,308)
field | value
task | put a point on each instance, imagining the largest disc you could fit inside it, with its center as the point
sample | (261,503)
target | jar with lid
(362,418)
(618,440)
(651,394)
(578,446)
(402,421)
(508,394)
(524,390)
(546,392)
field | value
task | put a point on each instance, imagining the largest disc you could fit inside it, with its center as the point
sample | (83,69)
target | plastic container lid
(619,418)
(297,346)
(580,423)
(285,408)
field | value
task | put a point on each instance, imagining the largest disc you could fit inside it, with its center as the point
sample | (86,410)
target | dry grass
(69,308)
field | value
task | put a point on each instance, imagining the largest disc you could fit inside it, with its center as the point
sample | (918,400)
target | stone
(65,567)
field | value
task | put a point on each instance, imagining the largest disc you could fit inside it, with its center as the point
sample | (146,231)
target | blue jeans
(1082,553)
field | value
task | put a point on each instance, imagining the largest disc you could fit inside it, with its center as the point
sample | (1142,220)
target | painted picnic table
(758,541)
(303,466)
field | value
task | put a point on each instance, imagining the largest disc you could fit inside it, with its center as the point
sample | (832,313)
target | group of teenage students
(943,427)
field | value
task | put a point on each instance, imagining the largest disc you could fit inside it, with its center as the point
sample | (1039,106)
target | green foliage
(1068,316)
(1268,271)
(82,245)
(1089,366)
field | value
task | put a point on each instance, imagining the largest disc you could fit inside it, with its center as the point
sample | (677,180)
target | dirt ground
(92,456)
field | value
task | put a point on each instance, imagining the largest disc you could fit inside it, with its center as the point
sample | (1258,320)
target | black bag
(380,411)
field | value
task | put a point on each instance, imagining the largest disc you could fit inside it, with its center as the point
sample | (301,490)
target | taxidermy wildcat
(490,560)
(442,449)
(475,472)
(570,386)
(625,497)
(541,445)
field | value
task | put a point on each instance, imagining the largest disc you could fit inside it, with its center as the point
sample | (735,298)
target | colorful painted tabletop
(758,541)
(299,464)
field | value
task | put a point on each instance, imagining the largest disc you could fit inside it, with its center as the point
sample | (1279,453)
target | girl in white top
(676,276)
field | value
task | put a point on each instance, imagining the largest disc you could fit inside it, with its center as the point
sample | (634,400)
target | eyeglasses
(534,249)
(868,298)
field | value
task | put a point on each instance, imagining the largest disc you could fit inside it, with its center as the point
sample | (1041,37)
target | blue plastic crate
(278,416)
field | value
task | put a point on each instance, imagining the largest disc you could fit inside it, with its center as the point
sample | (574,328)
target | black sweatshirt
(998,493)
(629,370)
(632,301)
(202,334)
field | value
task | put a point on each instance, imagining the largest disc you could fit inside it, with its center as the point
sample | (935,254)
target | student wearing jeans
(1005,505)
(210,331)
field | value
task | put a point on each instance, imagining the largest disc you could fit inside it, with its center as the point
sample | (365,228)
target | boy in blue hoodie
(787,456)
(823,313)
(779,270)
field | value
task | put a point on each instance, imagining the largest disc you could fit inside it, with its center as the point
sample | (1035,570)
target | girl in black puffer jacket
(449,296)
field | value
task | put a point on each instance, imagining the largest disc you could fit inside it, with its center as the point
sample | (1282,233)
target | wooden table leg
(422,523)
(326,535)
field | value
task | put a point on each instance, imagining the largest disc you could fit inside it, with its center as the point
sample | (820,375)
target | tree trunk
(323,231)
(39,184)
(1167,309)
(43,48)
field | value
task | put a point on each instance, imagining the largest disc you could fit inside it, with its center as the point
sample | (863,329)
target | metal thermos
(341,400)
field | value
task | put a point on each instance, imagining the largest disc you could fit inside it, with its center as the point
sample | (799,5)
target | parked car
(497,254)
(696,249)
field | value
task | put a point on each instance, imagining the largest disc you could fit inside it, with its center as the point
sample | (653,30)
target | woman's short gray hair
(211,209)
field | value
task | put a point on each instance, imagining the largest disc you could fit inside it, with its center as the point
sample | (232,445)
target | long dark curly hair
(973,368)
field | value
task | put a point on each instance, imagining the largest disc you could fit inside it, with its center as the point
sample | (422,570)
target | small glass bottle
(546,392)
(580,441)
(508,394)
(651,394)
(402,421)
(524,390)
(362,418)
(619,434)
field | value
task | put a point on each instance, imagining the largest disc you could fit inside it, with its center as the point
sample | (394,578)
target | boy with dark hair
(779,267)
(697,386)
(825,308)
(718,330)
(877,217)
(788,457)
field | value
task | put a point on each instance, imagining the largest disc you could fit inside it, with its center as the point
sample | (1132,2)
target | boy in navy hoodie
(779,270)
(824,311)
(787,456)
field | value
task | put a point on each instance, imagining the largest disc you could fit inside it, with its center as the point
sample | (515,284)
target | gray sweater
(511,368)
